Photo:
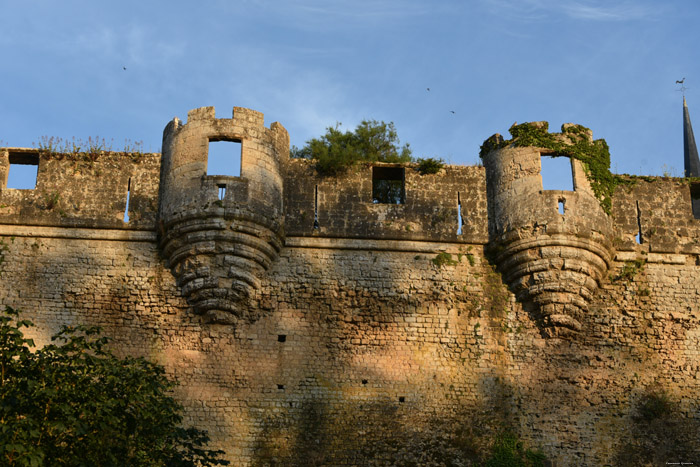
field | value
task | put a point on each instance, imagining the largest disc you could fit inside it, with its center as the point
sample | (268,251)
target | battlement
(294,307)
(79,190)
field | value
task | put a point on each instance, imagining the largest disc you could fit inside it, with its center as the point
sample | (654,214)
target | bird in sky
(452,111)
(124,68)
(680,82)
(428,89)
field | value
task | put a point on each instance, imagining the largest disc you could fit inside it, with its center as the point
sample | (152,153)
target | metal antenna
(683,88)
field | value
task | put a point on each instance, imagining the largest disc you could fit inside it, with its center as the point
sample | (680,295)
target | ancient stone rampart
(310,323)
(220,233)
(554,246)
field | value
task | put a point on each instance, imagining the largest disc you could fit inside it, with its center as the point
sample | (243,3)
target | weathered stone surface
(354,343)
(219,246)
(552,260)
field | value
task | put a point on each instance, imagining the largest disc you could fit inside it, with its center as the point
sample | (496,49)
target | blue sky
(609,65)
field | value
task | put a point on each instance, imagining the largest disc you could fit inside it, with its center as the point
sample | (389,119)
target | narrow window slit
(639,237)
(128,199)
(460,220)
(222,192)
(561,206)
(316,225)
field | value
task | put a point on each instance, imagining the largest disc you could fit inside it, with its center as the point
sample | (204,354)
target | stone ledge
(652,257)
(7,230)
(368,244)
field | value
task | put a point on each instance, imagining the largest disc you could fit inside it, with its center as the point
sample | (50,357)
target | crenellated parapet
(552,246)
(221,233)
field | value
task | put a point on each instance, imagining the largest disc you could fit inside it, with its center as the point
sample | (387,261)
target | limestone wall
(381,334)
(343,206)
(83,190)
(369,351)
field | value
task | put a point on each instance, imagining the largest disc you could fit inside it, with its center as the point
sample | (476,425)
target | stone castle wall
(360,342)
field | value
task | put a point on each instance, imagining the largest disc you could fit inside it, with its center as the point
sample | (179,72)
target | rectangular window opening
(557,173)
(222,192)
(460,221)
(388,185)
(562,202)
(24,168)
(128,198)
(224,158)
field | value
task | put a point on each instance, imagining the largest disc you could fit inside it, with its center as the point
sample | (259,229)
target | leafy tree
(75,403)
(336,151)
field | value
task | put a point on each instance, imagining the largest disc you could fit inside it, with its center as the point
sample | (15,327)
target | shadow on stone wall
(659,434)
(370,432)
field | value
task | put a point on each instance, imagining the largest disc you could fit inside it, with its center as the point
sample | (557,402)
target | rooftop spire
(690,150)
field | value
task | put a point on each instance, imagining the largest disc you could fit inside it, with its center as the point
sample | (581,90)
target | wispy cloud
(590,10)
(625,11)
(325,15)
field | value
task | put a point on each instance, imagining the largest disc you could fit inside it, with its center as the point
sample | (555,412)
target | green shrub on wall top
(336,151)
(429,166)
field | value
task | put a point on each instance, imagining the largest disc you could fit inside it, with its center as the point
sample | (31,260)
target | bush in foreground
(75,403)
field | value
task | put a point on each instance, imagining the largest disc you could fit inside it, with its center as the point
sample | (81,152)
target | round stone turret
(552,246)
(221,233)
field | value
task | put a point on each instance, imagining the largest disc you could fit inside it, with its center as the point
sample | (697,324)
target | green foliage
(75,403)
(443,259)
(508,451)
(595,155)
(92,147)
(336,151)
(429,165)
(84,153)
(51,200)
(630,269)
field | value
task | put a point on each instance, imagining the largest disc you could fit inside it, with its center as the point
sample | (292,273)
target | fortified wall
(311,321)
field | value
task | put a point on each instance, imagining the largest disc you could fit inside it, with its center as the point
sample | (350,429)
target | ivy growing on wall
(574,142)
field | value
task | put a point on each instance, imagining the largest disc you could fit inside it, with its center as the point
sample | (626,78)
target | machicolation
(382,316)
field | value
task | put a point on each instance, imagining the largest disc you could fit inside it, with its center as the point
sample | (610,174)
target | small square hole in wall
(282,338)
(280,386)
(402,399)
(388,185)
(557,173)
(224,158)
(23,170)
